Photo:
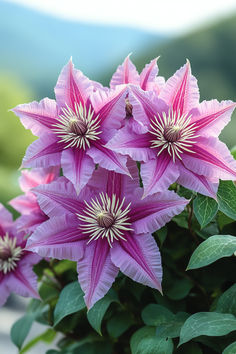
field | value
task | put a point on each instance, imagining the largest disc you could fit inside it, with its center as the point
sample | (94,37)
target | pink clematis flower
(106,228)
(147,81)
(16,274)
(27,204)
(180,142)
(74,129)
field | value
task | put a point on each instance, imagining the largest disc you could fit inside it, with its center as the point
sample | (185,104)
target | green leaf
(70,301)
(154,315)
(231,349)
(214,248)
(223,220)
(205,208)
(227,198)
(227,301)
(48,292)
(21,328)
(207,324)
(179,289)
(145,341)
(119,323)
(47,337)
(96,313)
(171,329)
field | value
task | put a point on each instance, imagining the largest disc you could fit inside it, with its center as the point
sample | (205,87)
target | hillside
(35,46)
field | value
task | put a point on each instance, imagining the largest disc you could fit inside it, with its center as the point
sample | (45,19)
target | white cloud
(155,15)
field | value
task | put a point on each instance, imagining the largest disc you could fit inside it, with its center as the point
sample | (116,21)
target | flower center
(10,254)
(78,127)
(173,132)
(105,217)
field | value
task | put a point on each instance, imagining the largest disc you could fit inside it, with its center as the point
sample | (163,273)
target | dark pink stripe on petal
(74,92)
(145,78)
(139,258)
(203,122)
(180,96)
(96,271)
(205,155)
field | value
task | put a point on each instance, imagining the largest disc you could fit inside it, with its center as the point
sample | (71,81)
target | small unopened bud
(105,219)
(128,109)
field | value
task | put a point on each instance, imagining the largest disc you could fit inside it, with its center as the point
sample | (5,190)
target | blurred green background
(35,46)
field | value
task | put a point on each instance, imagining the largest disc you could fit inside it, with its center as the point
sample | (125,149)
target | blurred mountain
(212,53)
(35,46)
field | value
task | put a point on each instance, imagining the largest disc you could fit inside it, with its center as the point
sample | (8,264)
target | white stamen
(77,128)
(173,132)
(104,217)
(10,254)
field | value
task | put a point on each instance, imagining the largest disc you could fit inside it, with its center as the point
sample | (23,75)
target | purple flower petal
(72,87)
(25,204)
(59,238)
(77,167)
(139,259)
(43,152)
(196,182)
(107,158)
(181,91)
(128,142)
(155,211)
(32,178)
(39,117)
(96,271)
(58,198)
(157,175)
(110,106)
(148,75)
(213,117)
(5,220)
(211,158)
(125,74)
(23,280)
(4,291)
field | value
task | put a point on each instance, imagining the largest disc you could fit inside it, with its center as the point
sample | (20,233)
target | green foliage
(227,198)
(70,301)
(205,209)
(97,312)
(214,248)
(208,324)
(145,341)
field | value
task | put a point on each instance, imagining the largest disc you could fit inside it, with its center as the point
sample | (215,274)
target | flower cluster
(102,209)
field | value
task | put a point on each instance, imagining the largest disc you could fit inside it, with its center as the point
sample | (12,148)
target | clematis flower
(27,204)
(147,81)
(16,274)
(106,228)
(74,129)
(180,142)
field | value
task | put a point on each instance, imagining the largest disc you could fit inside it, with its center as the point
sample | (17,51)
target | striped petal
(96,272)
(138,257)
(158,174)
(58,238)
(39,117)
(125,74)
(72,87)
(181,90)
